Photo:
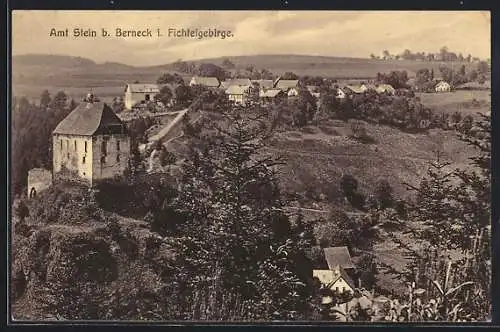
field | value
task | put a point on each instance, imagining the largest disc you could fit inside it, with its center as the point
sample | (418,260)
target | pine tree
(234,230)
(45,99)
(433,210)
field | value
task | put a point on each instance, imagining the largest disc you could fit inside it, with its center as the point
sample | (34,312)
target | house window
(118,158)
(75,145)
(83,160)
(147,97)
(336,289)
(117,145)
(85,146)
(67,144)
(343,289)
(104,148)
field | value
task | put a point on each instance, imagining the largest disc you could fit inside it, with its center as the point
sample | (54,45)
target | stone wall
(115,160)
(39,179)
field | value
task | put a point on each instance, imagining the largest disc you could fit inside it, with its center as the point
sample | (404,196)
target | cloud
(341,33)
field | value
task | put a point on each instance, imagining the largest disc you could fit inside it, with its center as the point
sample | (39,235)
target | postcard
(250,166)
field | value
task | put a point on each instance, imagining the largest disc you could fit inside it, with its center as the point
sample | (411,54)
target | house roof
(370,86)
(270,93)
(355,88)
(143,88)
(87,118)
(237,90)
(225,84)
(384,88)
(264,83)
(442,83)
(206,80)
(338,256)
(239,81)
(287,84)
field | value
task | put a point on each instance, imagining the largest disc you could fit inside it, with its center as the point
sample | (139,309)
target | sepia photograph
(250,166)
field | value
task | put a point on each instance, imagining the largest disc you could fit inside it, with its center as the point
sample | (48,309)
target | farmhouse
(293,92)
(240,81)
(443,87)
(238,94)
(265,84)
(340,94)
(140,94)
(337,276)
(355,89)
(337,280)
(286,85)
(90,144)
(270,95)
(210,82)
(369,87)
(385,88)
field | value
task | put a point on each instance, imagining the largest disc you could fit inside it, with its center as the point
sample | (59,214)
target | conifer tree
(233,228)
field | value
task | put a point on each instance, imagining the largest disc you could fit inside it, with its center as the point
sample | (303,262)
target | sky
(326,33)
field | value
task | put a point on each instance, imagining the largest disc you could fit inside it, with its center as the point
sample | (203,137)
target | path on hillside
(165,130)
(127,116)
(332,155)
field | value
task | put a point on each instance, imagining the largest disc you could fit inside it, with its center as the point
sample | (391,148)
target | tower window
(118,158)
(83,160)
(75,145)
(85,146)
(67,144)
(104,148)
(117,145)
(61,144)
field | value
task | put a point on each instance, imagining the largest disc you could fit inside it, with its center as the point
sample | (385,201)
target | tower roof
(90,118)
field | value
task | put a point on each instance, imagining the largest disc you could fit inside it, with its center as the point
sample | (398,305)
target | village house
(368,87)
(246,82)
(209,82)
(340,268)
(443,86)
(354,89)
(90,144)
(140,94)
(270,95)
(264,84)
(340,93)
(385,88)
(286,85)
(238,94)
(293,92)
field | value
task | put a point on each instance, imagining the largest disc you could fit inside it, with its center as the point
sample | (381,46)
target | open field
(318,160)
(466,102)
(335,67)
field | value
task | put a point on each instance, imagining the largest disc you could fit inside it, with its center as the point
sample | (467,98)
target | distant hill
(334,67)
(50,60)
(33,73)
